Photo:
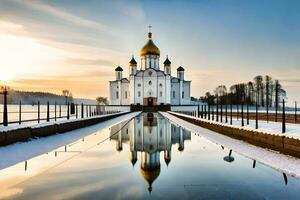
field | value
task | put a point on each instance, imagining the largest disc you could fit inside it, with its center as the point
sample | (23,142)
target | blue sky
(218,42)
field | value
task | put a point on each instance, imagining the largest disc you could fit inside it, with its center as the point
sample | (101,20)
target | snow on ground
(275,128)
(21,151)
(281,162)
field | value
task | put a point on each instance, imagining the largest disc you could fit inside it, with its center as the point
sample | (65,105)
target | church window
(126,95)
(160,85)
(160,93)
(183,95)
(139,94)
(117,95)
(150,82)
(173,94)
(139,85)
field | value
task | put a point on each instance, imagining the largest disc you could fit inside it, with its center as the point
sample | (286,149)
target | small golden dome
(150,48)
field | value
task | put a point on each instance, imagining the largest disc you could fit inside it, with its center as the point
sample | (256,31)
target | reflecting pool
(147,157)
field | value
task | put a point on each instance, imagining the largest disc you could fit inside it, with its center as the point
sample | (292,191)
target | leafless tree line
(263,91)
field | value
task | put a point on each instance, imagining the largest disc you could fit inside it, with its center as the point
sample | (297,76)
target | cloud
(62,14)
(87,61)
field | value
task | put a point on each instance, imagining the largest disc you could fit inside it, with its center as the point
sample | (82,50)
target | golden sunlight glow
(22,55)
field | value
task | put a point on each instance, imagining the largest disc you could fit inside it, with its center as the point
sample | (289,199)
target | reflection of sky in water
(149,158)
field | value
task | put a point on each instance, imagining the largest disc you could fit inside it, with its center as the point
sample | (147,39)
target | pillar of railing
(237,111)
(283,117)
(59,110)
(39,112)
(248,113)
(82,110)
(217,114)
(205,112)
(90,110)
(256,115)
(295,111)
(55,111)
(198,109)
(212,114)
(242,112)
(230,112)
(76,110)
(68,111)
(208,107)
(87,110)
(20,112)
(221,112)
(48,111)
(226,114)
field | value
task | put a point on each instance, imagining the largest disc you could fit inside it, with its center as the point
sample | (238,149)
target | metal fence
(32,114)
(224,113)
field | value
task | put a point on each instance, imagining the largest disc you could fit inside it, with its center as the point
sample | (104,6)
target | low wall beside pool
(281,143)
(10,135)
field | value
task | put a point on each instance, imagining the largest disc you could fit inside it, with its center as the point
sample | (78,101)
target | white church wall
(175,90)
(150,83)
(161,96)
(125,93)
(186,89)
(113,93)
(139,90)
(131,90)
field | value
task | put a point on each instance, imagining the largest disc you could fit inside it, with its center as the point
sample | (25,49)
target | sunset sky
(76,45)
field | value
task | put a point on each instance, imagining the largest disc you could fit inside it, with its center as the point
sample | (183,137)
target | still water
(147,157)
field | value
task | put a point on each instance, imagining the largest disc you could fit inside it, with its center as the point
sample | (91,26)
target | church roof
(132,61)
(180,69)
(150,48)
(167,61)
(119,69)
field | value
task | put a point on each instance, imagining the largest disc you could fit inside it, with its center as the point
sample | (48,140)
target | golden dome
(150,48)
(150,176)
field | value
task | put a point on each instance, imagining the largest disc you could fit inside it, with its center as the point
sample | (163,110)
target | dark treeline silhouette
(264,91)
(32,98)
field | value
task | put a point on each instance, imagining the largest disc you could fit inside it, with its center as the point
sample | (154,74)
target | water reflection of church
(149,134)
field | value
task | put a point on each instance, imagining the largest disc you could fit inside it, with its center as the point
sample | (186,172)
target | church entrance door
(150,101)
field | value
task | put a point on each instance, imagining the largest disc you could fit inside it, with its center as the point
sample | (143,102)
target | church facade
(150,85)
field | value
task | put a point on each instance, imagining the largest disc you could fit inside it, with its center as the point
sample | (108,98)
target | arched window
(182,94)
(117,95)
(160,85)
(139,93)
(150,82)
(160,93)
(139,85)
(173,94)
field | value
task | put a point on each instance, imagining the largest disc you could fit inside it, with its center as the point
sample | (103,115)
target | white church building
(149,85)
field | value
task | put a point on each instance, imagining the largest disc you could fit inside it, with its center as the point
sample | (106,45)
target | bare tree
(68,95)
(259,89)
(101,100)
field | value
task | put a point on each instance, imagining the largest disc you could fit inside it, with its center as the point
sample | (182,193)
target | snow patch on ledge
(281,162)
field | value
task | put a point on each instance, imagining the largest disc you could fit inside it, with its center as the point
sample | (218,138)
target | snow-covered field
(22,151)
(271,158)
